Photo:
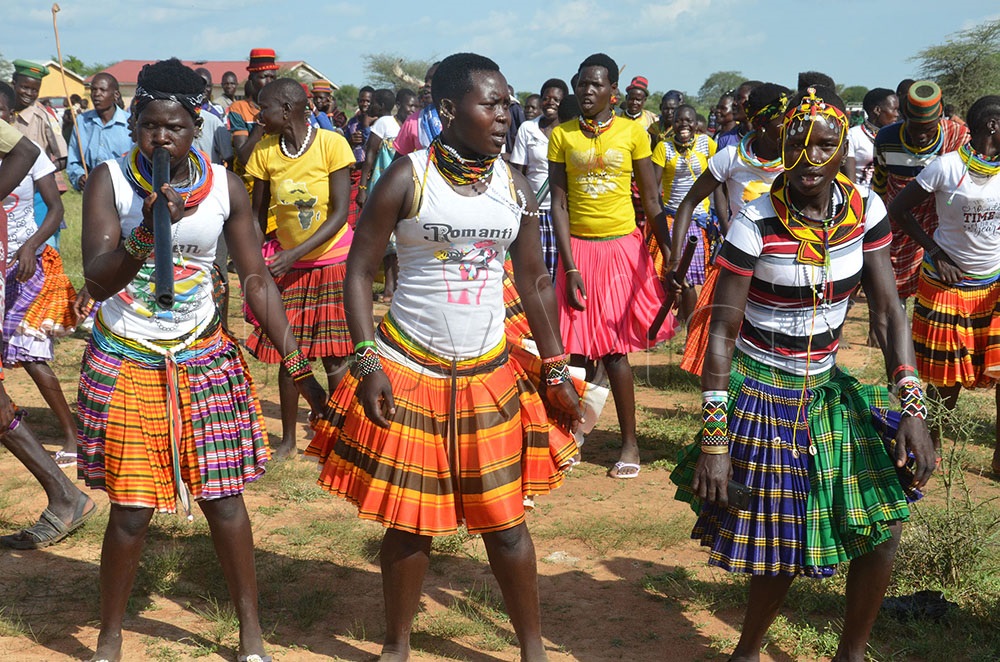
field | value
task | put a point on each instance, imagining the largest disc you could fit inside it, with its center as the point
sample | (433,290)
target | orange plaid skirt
(956,332)
(469,440)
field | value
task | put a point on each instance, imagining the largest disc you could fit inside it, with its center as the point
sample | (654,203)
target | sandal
(625,470)
(64,459)
(49,529)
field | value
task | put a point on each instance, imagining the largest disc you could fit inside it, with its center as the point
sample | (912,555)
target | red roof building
(126,73)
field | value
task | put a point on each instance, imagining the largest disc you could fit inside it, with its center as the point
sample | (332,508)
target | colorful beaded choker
(457,170)
(595,127)
(933,148)
(978,164)
(140,176)
(684,147)
(815,242)
(744,147)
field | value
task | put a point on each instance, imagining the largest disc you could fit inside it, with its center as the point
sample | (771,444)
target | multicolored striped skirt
(699,264)
(696,344)
(468,442)
(807,512)
(124,443)
(956,330)
(624,296)
(314,302)
(904,251)
(37,310)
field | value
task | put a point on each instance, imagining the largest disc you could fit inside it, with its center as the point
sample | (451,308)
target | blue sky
(674,43)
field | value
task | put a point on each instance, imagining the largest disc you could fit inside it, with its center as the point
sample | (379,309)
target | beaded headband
(191,102)
(810,110)
(768,112)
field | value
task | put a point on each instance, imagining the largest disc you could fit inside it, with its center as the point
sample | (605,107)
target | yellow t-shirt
(9,136)
(681,171)
(300,188)
(599,175)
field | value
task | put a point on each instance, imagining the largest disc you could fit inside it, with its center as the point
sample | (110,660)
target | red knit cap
(262,59)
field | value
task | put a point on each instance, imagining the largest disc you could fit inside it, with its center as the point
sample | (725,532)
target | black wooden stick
(163,247)
(668,303)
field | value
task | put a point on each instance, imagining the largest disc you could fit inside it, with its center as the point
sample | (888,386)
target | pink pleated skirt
(623,296)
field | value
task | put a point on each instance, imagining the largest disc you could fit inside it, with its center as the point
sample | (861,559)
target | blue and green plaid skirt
(807,512)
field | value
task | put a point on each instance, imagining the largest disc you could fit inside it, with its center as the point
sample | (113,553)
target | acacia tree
(716,85)
(392,71)
(966,66)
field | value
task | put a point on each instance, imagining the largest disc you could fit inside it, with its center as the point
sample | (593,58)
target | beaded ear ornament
(803,118)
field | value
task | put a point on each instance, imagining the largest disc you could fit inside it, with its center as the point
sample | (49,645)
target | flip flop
(49,529)
(64,459)
(616,471)
(254,657)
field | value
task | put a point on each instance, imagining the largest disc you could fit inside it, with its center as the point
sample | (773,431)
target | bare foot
(109,647)
(284,451)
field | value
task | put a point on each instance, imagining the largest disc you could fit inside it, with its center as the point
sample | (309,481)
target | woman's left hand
(563,405)
(913,437)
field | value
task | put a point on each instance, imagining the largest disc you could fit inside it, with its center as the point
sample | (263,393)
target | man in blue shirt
(104,131)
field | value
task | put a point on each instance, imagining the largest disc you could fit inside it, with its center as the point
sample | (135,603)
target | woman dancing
(780,418)
(956,319)
(167,407)
(435,427)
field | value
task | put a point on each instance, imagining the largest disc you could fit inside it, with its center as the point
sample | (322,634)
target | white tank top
(133,312)
(451,255)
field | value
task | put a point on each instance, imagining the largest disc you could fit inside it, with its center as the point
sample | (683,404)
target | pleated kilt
(467,443)
(956,330)
(37,310)
(807,512)
(624,296)
(124,443)
(696,344)
(314,302)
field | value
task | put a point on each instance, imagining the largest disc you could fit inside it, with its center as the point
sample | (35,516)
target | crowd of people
(526,252)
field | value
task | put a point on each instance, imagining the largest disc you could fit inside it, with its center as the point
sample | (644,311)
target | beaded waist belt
(392,336)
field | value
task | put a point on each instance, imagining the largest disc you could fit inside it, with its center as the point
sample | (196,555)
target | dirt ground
(616,569)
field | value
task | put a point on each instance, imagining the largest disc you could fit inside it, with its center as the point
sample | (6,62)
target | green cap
(30,69)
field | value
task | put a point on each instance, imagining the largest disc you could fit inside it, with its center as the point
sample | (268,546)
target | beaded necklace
(193,191)
(815,242)
(457,170)
(595,127)
(633,117)
(933,148)
(744,148)
(870,130)
(305,143)
(976,163)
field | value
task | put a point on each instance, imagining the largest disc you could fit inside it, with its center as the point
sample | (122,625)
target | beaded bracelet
(715,430)
(139,243)
(911,398)
(556,370)
(903,368)
(297,365)
(364,343)
(366,362)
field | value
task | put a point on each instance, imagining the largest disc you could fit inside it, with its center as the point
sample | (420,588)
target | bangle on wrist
(571,271)
(366,361)
(555,370)
(715,450)
(297,365)
(911,398)
(139,243)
